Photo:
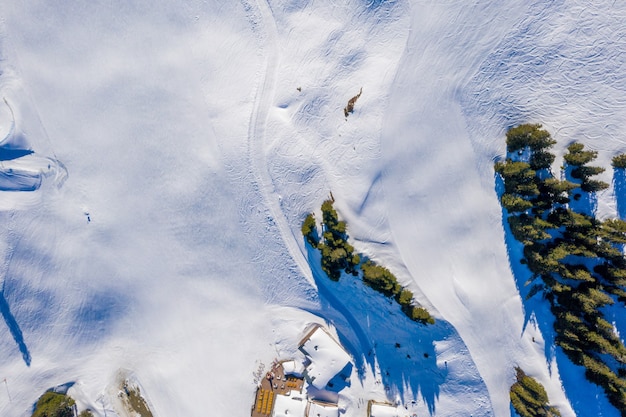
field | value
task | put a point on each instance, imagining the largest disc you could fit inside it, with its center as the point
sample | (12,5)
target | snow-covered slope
(178,146)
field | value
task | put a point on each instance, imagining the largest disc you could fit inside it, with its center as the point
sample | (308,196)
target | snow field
(173,248)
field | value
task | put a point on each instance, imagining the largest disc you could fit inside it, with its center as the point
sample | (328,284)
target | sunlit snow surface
(197,135)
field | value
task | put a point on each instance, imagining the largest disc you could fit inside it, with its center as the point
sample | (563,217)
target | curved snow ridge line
(256,140)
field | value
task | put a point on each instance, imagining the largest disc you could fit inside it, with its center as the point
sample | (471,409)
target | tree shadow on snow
(580,393)
(87,319)
(36,307)
(581,201)
(9,154)
(619,185)
(14,328)
(380,337)
(536,309)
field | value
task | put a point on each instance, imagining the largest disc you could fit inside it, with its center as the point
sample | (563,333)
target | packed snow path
(263,102)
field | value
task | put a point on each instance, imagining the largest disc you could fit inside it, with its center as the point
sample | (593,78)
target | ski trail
(256,149)
(256,139)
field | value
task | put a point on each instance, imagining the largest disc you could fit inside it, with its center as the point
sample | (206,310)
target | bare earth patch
(350,107)
(127,398)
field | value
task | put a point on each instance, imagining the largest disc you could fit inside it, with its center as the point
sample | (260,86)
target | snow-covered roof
(289,406)
(318,409)
(294,368)
(383,410)
(326,355)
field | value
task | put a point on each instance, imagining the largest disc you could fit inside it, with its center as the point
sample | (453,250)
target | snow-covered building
(377,409)
(289,406)
(322,409)
(295,368)
(325,356)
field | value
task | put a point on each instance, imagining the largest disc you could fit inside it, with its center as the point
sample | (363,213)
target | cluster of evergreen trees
(619,161)
(576,260)
(529,397)
(54,404)
(338,256)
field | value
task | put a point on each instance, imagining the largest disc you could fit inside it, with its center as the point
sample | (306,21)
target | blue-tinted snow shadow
(374,5)
(584,397)
(84,318)
(8,153)
(376,332)
(342,379)
(63,388)
(80,315)
(619,186)
(97,313)
(615,314)
(536,309)
(583,202)
(580,201)
(14,328)
(14,180)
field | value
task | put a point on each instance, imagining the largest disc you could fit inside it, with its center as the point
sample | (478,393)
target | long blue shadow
(534,308)
(14,328)
(8,154)
(619,185)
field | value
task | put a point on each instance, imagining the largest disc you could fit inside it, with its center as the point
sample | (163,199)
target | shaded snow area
(157,159)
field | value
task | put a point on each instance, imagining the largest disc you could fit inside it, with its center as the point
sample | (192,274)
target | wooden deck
(273,384)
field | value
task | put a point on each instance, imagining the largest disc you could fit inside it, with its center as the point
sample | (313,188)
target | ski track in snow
(264,97)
